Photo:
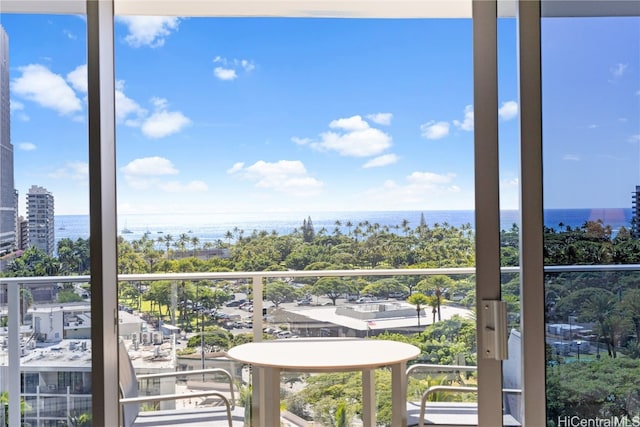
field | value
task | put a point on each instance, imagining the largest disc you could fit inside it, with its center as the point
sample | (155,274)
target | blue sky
(252,114)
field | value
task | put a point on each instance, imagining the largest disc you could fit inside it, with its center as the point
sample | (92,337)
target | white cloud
(16,109)
(148,30)
(127,110)
(508,110)
(353,137)
(150,166)
(162,122)
(301,141)
(190,187)
(638,93)
(349,124)
(147,173)
(159,103)
(592,126)
(235,168)
(429,179)
(247,65)
(27,146)
(69,34)
(285,176)
(225,73)
(571,157)
(381,118)
(359,143)
(509,183)
(619,69)
(144,173)
(420,188)
(434,130)
(467,122)
(384,160)
(228,69)
(78,78)
(38,84)
(634,138)
(77,171)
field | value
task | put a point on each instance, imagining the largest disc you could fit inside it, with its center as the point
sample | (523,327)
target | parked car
(304,301)
(286,334)
(398,295)
(235,303)
(364,300)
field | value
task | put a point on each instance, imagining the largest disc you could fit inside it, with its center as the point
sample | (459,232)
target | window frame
(102,169)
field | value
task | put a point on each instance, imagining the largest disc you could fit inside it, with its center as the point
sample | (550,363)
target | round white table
(327,355)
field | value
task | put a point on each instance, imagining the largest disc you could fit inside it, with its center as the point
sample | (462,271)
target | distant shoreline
(214,226)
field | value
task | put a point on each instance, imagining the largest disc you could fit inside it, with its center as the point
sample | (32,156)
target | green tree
(33,263)
(418,299)
(436,285)
(159,293)
(280,291)
(215,339)
(332,287)
(308,233)
(384,287)
(65,296)
(4,403)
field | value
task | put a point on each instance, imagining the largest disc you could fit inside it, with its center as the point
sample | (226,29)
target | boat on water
(125,230)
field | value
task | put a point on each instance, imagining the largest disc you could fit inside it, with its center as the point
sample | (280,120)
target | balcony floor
(451,414)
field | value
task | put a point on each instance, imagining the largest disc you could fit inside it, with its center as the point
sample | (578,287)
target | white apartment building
(40,214)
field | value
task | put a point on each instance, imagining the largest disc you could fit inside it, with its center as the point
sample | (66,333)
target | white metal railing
(257,278)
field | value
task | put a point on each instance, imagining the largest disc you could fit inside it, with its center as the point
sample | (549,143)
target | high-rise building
(635,215)
(23,233)
(40,215)
(8,212)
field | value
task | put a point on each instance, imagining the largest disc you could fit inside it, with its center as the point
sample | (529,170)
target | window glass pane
(509,141)
(44,219)
(288,145)
(591,113)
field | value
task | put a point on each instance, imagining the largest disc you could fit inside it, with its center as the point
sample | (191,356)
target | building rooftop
(72,354)
(362,318)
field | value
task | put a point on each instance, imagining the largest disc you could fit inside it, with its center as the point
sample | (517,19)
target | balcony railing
(257,281)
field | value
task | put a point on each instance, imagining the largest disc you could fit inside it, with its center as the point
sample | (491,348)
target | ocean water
(214,226)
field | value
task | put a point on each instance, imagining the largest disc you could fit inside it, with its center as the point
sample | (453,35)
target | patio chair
(451,413)
(224,414)
(447,413)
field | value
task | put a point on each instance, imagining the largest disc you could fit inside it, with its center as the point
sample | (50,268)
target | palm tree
(601,308)
(631,305)
(194,244)
(418,299)
(439,283)
(228,235)
(167,241)
(434,302)
(183,239)
(349,224)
